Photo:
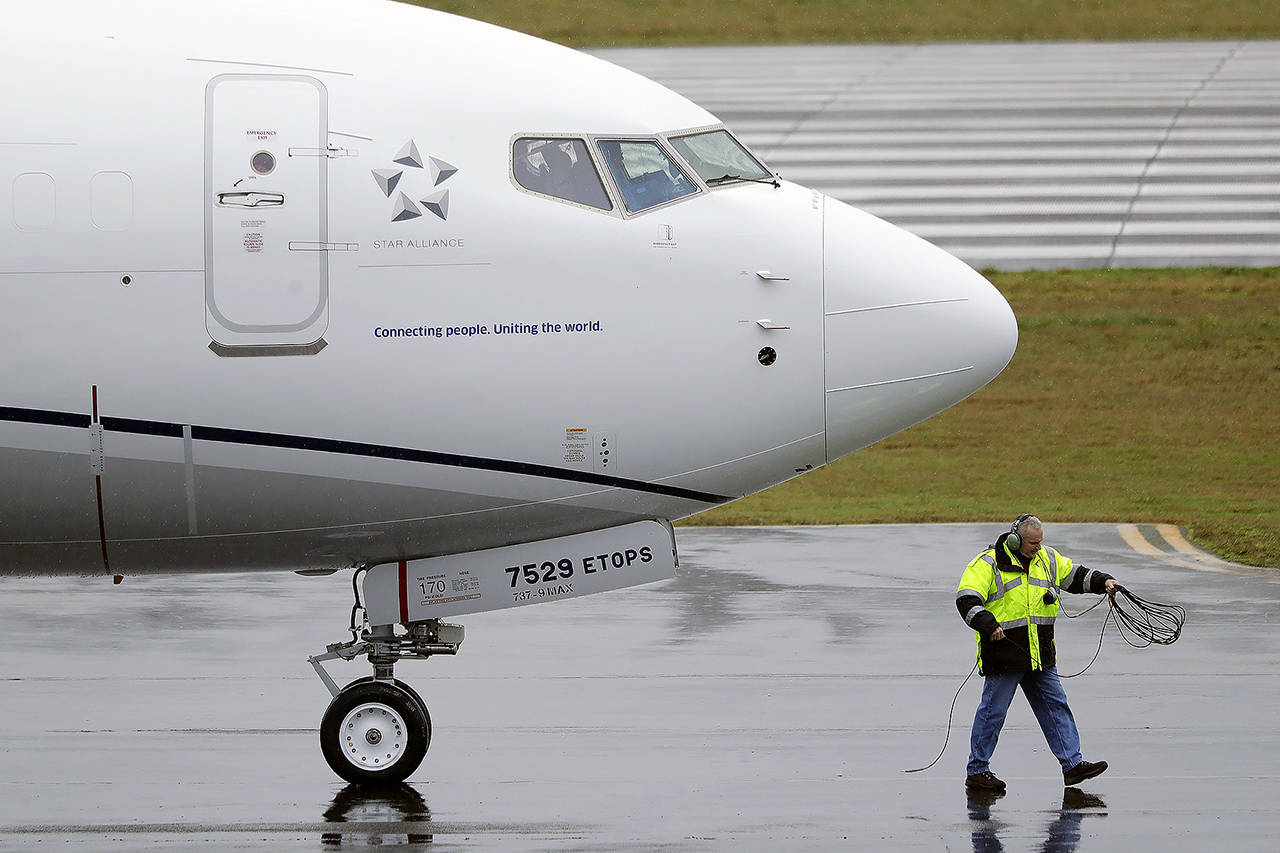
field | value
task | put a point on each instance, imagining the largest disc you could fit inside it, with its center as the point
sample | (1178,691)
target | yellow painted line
(1204,562)
(1133,536)
(1174,537)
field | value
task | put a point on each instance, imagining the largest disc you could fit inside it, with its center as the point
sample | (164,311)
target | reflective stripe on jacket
(996,591)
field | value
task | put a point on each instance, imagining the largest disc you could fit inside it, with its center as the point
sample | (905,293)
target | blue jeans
(1048,701)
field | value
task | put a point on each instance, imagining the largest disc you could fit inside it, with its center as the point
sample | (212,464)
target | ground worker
(1005,592)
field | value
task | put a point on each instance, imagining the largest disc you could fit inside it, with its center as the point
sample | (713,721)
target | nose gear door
(266,211)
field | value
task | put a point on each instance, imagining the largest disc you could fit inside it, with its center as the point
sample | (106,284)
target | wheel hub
(373,735)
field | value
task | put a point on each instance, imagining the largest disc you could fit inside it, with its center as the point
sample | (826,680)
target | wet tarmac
(767,698)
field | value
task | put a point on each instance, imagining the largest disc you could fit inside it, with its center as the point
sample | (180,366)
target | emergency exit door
(266,210)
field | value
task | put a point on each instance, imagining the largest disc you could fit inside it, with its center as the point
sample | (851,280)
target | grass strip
(607,23)
(1134,395)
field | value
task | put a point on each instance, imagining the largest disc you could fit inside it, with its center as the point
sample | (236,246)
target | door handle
(769,324)
(309,246)
(251,199)
(330,152)
(772,276)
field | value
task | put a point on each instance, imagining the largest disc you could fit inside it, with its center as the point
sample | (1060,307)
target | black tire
(403,685)
(374,732)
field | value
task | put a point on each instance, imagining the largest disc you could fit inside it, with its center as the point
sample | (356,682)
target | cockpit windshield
(718,158)
(644,173)
(559,167)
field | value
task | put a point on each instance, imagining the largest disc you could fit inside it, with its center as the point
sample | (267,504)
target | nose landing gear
(377,728)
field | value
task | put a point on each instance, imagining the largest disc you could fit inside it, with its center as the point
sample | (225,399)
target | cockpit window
(560,168)
(718,158)
(644,173)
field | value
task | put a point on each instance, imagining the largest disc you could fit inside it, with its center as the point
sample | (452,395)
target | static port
(767,356)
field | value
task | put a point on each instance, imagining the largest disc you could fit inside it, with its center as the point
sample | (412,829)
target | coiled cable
(1150,621)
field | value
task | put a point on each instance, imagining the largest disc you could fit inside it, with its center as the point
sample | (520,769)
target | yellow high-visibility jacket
(998,590)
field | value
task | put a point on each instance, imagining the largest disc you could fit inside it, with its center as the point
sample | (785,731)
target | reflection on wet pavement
(392,817)
(711,592)
(1061,836)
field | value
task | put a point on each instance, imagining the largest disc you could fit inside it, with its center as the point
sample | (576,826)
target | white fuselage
(215,362)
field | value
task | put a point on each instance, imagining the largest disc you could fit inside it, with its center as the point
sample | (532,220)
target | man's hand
(997,635)
(1112,586)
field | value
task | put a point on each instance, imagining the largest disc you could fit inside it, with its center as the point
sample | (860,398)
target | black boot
(984,781)
(1083,770)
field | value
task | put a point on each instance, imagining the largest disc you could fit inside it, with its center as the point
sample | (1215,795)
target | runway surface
(1014,156)
(766,698)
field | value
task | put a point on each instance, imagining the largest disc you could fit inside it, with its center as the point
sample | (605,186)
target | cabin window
(718,158)
(111,201)
(34,201)
(561,168)
(644,173)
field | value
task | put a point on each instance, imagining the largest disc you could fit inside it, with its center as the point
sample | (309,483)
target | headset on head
(1014,539)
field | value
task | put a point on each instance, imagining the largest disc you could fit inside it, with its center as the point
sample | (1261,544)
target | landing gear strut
(377,728)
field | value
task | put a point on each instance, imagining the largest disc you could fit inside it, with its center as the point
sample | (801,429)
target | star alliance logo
(405,208)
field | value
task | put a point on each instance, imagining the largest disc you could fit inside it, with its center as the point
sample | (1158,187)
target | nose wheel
(375,732)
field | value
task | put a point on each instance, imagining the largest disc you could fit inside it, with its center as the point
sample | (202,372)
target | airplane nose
(910,330)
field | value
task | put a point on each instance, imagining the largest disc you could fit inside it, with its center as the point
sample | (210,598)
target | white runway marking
(1017,156)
